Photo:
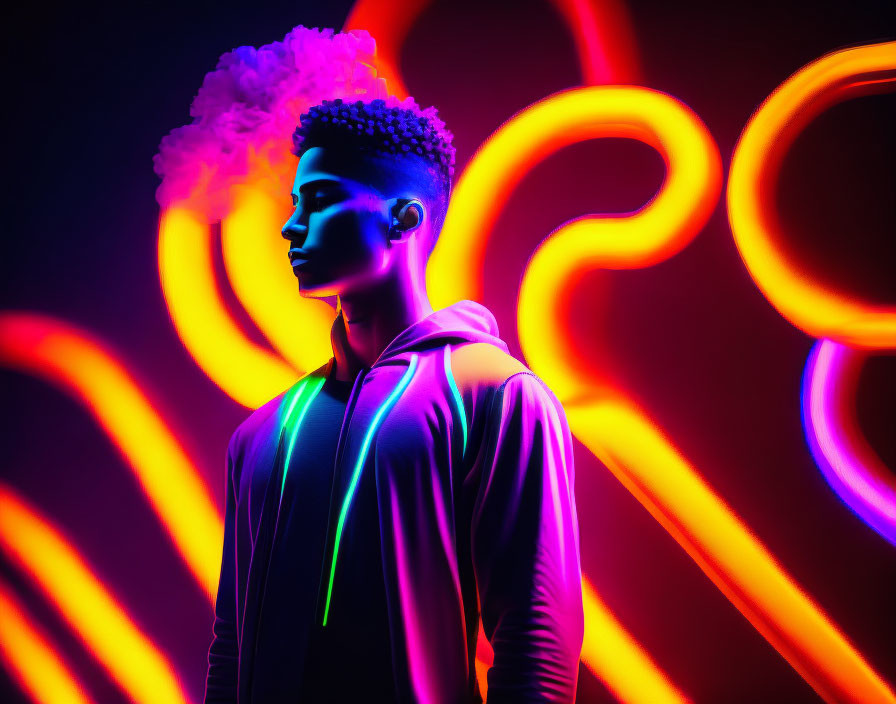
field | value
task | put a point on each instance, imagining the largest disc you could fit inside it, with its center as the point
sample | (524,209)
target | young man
(420,479)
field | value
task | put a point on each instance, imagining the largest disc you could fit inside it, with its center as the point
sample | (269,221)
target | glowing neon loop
(80,366)
(39,671)
(455,392)
(362,456)
(250,374)
(850,466)
(560,120)
(626,241)
(816,309)
(128,655)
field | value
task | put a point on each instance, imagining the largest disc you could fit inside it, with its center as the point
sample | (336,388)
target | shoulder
(264,420)
(256,425)
(481,365)
(499,383)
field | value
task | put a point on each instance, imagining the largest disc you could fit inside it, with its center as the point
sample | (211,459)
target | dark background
(91,89)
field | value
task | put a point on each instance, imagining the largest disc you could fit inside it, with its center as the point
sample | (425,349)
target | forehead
(347,168)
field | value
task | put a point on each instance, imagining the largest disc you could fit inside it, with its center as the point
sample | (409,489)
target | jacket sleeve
(525,547)
(223,654)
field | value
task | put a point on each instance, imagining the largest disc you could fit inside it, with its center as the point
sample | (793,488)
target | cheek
(351,232)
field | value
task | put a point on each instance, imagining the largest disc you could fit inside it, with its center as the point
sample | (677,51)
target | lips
(297,256)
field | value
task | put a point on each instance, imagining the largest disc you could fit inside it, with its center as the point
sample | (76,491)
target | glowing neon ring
(817,310)
(849,464)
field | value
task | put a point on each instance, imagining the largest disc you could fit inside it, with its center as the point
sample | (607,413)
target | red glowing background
(712,262)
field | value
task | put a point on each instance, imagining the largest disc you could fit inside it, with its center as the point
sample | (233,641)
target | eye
(317,201)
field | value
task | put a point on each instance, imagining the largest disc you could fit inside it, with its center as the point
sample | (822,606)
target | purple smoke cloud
(247,108)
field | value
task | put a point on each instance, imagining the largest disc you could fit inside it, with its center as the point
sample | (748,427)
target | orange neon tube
(815,308)
(79,365)
(128,655)
(30,658)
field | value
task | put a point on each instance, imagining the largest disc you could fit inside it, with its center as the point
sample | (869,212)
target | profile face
(338,233)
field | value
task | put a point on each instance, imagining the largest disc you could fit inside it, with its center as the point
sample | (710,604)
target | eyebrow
(316,183)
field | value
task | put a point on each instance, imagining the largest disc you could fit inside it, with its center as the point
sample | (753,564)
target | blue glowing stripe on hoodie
(457,397)
(306,392)
(396,392)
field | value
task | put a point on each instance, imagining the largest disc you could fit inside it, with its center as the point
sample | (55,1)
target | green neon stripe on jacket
(306,392)
(292,403)
(357,473)
(457,397)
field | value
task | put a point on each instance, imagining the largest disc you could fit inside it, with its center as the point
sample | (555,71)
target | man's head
(363,166)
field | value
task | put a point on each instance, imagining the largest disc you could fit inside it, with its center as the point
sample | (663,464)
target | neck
(370,320)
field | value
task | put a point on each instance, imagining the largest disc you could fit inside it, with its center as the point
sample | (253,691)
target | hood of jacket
(461,322)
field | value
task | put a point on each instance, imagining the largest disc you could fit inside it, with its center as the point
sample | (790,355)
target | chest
(401,425)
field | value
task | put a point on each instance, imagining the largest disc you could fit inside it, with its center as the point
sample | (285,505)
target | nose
(294,229)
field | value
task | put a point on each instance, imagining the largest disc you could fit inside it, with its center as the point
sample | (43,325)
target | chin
(317,291)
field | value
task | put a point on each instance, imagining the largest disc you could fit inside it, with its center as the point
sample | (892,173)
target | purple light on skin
(848,463)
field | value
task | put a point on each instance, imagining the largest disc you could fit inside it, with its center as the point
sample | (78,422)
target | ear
(407,215)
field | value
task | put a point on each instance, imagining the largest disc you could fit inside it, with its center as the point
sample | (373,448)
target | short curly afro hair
(381,129)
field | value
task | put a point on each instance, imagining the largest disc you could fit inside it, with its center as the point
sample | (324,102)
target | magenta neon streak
(598,69)
(417,659)
(848,463)
(445,532)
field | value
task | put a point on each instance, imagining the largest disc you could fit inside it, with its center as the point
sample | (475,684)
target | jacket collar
(461,322)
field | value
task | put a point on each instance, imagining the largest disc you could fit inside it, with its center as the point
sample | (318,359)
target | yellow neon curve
(128,655)
(623,665)
(647,464)
(652,234)
(261,276)
(39,671)
(72,361)
(814,308)
(541,129)
(248,373)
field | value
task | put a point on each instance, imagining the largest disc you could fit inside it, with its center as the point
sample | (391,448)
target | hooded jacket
(473,464)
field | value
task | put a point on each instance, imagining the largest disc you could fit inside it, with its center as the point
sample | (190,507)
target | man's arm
(223,655)
(525,547)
